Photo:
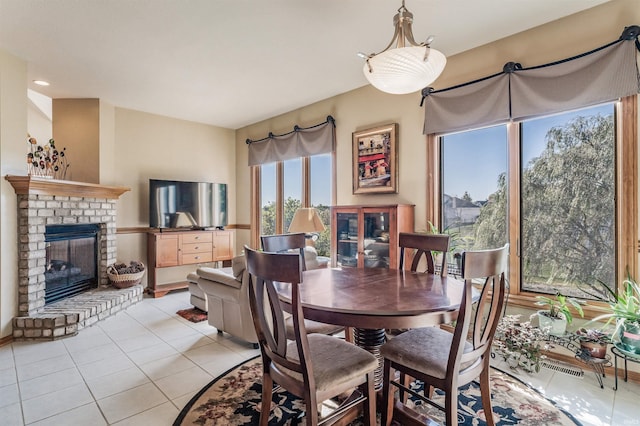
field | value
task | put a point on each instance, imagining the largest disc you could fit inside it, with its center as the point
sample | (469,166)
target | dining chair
(424,245)
(283,243)
(447,360)
(314,367)
(415,247)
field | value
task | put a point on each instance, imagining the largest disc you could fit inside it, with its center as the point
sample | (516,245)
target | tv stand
(183,247)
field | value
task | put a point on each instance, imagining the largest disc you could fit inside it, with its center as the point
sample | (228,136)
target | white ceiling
(231,63)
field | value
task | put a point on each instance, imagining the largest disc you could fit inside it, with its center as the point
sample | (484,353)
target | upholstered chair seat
(334,363)
(312,327)
(408,349)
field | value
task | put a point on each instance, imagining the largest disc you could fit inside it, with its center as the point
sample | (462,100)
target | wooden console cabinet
(176,248)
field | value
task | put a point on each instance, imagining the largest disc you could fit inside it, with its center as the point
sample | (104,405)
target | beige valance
(301,142)
(604,74)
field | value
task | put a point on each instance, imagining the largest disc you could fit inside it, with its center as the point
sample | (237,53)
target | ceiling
(231,63)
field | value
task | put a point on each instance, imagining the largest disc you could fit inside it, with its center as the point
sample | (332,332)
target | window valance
(603,74)
(300,142)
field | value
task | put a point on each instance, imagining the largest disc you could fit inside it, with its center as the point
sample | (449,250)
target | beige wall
(367,107)
(38,124)
(151,146)
(13,151)
(76,127)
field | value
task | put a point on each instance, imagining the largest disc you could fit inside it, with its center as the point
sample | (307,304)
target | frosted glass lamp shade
(306,220)
(403,70)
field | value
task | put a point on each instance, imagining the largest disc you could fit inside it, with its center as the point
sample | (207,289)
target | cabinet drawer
(201,247)
(200,237)
(191,258)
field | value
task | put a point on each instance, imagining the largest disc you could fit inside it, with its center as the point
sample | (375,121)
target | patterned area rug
(234,399)
(193,314)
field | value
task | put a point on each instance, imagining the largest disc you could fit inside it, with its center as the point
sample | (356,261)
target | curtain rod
(629,33)
(296,128)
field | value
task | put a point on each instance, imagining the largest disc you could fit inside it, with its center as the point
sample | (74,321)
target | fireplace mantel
(25,185)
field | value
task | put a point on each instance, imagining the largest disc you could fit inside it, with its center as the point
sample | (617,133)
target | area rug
(193,314)
(234,399)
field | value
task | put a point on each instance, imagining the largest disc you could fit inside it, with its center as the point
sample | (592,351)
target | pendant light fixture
(404,66)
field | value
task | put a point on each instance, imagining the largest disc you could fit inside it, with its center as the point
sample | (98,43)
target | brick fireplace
(46,203)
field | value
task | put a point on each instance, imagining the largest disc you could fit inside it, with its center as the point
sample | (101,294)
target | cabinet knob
(197,257)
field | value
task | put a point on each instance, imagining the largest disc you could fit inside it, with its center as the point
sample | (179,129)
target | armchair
(227,296)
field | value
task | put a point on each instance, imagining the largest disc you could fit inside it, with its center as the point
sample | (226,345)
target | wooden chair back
(284,242)
(424,245)
(265,268)
(490,266)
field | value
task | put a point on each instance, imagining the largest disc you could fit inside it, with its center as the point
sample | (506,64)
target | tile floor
(143,365)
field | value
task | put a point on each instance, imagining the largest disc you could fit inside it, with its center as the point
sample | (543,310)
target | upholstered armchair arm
(222,276)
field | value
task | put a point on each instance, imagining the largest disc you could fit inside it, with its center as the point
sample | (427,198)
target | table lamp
(307,220)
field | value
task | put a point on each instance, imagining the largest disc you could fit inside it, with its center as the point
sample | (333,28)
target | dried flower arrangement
(520,344)
(45,160)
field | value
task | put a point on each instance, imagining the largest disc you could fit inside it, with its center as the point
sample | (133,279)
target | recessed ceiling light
(41,82)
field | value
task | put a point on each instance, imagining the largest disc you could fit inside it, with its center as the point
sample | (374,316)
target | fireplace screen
(71,253)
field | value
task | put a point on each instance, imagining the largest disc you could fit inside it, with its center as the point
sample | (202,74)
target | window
(474,188)
(292,190)
(285,186)
(551,187)
(320,198)
(567,187)
(268,199)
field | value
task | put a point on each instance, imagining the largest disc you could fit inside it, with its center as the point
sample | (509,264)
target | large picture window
(550,187)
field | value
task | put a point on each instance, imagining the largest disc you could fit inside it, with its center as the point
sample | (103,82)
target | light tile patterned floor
(143,365)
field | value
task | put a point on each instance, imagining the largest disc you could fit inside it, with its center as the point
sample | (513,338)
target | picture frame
(375,160)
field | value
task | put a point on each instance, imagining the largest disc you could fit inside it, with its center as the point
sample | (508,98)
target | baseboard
(6,340)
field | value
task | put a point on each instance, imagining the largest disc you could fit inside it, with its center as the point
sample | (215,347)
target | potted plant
(593,342)
(557,314)
(520,344)
(624,309)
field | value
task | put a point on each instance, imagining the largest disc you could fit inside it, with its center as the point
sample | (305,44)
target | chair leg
(485,393)
(267,393)
(451,407)
(405,379)
(387,395)
(348,334)
(369,390)
(428,391)
(312,407)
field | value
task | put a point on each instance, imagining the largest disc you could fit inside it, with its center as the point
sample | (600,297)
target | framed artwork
(375,160)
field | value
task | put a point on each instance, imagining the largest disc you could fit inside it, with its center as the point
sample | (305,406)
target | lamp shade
(307,220)
(404,70)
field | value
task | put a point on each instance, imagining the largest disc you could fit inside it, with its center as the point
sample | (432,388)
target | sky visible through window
(462,152)
(320,180)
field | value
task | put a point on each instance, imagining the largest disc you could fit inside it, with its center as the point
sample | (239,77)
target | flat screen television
(178,204)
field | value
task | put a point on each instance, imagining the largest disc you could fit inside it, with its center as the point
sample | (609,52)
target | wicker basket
(124,280)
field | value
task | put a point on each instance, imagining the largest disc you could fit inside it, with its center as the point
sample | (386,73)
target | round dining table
(374,299)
